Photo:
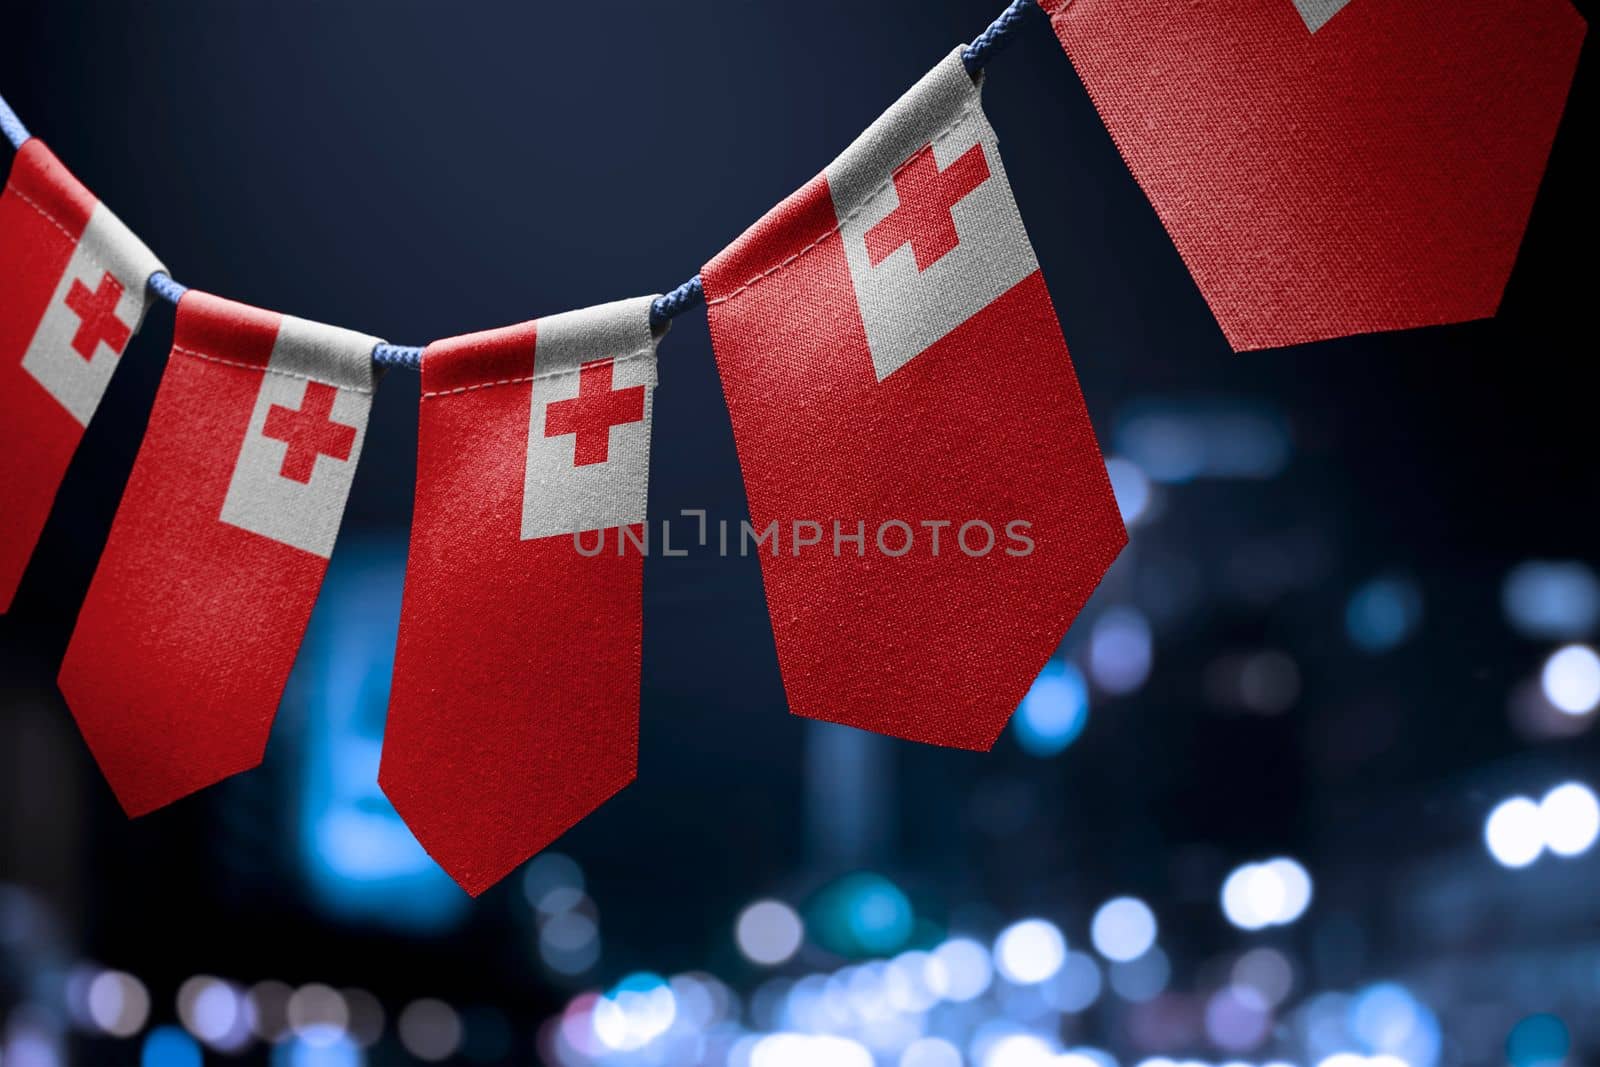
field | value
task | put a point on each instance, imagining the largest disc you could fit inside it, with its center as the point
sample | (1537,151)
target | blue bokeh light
(1383,613)
(1549,600)
(1054,712)
(1538,1041)
(861,915)
(359,858)
(168,1046)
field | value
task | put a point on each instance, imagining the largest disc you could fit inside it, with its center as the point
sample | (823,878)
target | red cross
(927,194)
(98,310)
(591,414)
(309,432)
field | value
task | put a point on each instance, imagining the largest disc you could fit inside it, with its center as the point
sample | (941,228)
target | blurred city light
(1274,893)
(1131,488)
(552,883)
(1267,971)
(930,1052)
(1077,985)
(1237,1018)
(1030,951)
(1539,1041)
(318,1014)
(1142,979)
(1566,821)
(429,1029)
(569,943)
(1177,443)
(269,1009)
(806,1050)
(168,1046)
(1390,1021)
(297,1053)
(360,860)
(1552,600)
(861,915)
(366,1017)
(1054,711)
(1120,650)
(1514,832)
(118,1003)
(964,969)
(769,932)
(1017,1050)
(1569,816)
(1123,929)
(1571,679)
(639,1009)
(1383,613)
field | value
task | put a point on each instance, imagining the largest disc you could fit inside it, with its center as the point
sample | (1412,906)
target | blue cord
(167,289)
(689,295)
(15,131)
(995,37)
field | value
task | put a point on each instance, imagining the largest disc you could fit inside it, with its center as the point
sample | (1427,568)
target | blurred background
(1311,781)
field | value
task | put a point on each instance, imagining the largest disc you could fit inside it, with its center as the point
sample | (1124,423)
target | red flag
(1330,167)
(218,549)
(74,282)
(891,361)
(515,705)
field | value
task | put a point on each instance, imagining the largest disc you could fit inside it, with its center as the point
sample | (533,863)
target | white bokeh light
(805,1050)
(1569,817)
(1274,893)
(1514,832)
(960,970)
(1019,1050)
(1030,951)
(1296,886)
(1123,929)
(769,932)
(1571,679)
(118,1003)
(930,1052)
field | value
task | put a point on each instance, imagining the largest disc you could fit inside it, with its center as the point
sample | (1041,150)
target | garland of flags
(855,327)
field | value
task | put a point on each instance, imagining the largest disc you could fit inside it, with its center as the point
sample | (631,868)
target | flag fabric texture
(74,282)
(892,362)
(515,706)
(1331,167)
(196,611)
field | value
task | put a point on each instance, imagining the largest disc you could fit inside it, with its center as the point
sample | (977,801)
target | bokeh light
(1123,929)
(1514,832)
(1571,679)
(1054,711)
(1539,1041)
(964,968)
(169,1046)
(1131,487)
(1569,817)
(769,932)
(1030,951)
(1383,613)
(1552,600)
(429,1029)
(118,1003)
(1274,893)
(1120,650)
(930,1052)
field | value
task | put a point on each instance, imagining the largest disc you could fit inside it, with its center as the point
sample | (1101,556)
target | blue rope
(995,37)
(670,305)
(15,131)
(398,356)
(167,289)
(690,294)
